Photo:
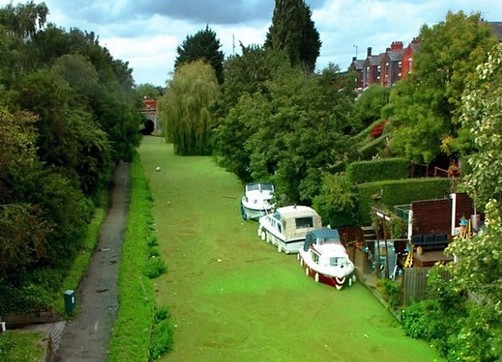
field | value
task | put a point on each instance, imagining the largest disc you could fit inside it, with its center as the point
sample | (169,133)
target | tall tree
(202,46)
(293,32)
(289,133)
(426,107)
(475,334)
(185,109)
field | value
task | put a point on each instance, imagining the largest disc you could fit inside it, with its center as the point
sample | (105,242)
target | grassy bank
(132,330)
(234,298)
(17,346)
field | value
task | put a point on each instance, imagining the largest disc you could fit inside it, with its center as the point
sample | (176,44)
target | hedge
(399,192)
(378,170)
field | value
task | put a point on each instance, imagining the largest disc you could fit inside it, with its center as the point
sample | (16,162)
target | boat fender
(340,281)
(306,271)
(316,277)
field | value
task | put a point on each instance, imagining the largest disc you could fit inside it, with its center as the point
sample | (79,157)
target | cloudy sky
(146,33)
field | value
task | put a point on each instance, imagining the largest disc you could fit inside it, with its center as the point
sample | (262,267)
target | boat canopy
(260,186)
(321,236)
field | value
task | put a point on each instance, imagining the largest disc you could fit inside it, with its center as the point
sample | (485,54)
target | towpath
(86,337)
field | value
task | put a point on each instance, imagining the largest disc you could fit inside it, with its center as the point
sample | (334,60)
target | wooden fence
(414,285)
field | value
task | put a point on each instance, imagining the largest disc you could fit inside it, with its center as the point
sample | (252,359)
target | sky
(146,33)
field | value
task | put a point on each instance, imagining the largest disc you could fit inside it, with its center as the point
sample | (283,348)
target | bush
(154,267)
(414,321)
(162,335)
(378,129)
(391,292)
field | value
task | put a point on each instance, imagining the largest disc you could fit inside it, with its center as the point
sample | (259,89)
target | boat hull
(334,277)
(249,213)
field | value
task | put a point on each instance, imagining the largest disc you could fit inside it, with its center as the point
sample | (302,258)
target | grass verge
(136,319)
(16,346)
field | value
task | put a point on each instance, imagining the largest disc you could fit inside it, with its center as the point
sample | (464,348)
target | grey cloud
(209,11)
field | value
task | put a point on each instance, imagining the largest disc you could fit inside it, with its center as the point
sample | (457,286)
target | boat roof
(294,212)
(260,186)
(321,234)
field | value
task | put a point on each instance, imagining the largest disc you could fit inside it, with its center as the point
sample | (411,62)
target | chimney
(369,52)
(396,45)
(353,59)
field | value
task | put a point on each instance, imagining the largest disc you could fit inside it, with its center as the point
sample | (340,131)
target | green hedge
(399,192)
(378,170)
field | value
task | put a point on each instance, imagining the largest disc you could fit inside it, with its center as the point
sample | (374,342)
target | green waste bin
(69,301)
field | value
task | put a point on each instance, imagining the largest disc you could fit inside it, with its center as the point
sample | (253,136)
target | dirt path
(86,338)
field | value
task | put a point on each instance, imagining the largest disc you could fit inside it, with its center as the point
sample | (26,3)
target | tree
(24,20)
(467,306)
(293,32)
(202,46)
(426,107)
(289,131)
(148,90)
(185,108)
(247,73)
(480,265)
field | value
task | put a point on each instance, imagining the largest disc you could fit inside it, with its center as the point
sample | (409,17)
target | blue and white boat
(325,259)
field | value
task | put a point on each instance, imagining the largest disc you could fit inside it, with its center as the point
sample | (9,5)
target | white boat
(257,200)
(287,227)
(325,258)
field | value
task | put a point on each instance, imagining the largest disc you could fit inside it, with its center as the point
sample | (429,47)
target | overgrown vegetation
(140,332)
(18,346)
(390,291)
(67,113)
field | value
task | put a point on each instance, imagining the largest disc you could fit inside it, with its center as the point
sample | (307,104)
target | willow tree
(185,108)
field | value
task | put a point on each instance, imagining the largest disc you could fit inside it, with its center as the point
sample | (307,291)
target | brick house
(392,64)
(372,69)
(408,56)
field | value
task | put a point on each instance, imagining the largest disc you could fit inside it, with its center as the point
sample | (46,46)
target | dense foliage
(378,170)
(288,132)
(293,32)
(202,46)
(466,307)
(68,111)
(425,108)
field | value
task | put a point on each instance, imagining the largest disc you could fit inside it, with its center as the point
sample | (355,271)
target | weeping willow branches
(185,108)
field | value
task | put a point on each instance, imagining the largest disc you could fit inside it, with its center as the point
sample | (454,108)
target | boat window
(339,262)
(267,186)
(304,222)
(314,256)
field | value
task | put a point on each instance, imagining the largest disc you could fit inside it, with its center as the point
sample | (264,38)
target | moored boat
(325,259)
(287,227)
(257,200)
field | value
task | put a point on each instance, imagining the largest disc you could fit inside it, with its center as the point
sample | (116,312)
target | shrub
(378,129)
(162,335)
(154,267)
(414,321)
(391,292)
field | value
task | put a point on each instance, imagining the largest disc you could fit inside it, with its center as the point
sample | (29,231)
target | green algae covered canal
(233,297)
